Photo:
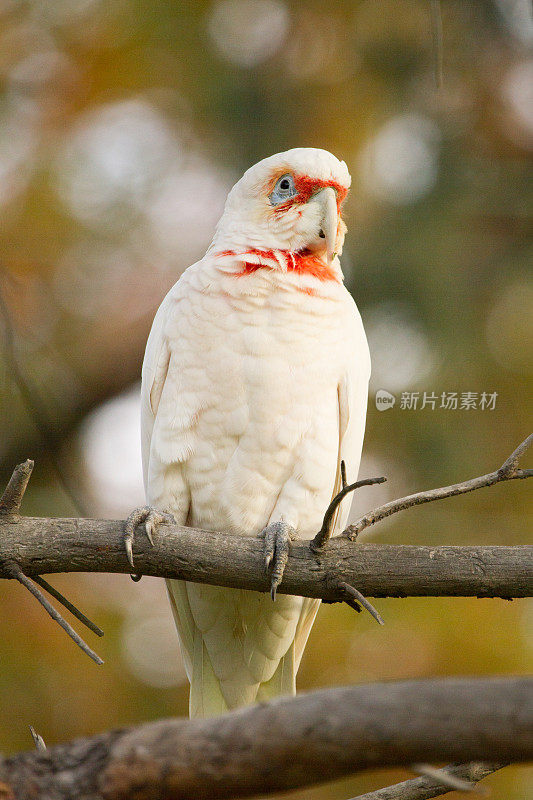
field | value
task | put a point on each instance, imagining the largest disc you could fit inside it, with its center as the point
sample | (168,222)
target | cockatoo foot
(151,518)
(277,537)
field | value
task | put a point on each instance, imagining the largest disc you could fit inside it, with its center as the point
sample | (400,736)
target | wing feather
(154,373)
(352,395)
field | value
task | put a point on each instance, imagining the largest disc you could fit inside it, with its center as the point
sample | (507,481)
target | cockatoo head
(291,202)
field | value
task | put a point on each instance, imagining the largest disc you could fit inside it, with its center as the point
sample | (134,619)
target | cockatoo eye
(283,190)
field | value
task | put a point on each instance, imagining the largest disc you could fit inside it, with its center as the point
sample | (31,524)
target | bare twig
(34,404)
(438,49)
(447,781)
(14,491)
(348,593)
(426,787)
(509,468)
(68,605)
(354,598)
(508,471)
(14,571)
(9,506)
(37,739)
(325,531)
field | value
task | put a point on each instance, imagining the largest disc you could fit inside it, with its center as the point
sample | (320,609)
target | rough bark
(287,743)
(40,545)
(426,788)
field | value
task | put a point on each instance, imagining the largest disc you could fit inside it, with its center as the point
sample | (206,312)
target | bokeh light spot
(248,32)
(401,353)
(109,439)
(400,163)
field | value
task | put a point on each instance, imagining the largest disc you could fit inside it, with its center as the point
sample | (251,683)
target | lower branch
(509,471)
(288,743)
(426,788)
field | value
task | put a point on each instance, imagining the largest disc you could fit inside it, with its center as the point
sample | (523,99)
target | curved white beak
(329,219)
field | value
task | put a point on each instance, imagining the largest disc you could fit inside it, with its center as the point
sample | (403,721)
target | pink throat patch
(302,262)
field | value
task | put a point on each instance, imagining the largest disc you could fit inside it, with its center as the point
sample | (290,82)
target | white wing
(155,370)
(154,373)
(353,396)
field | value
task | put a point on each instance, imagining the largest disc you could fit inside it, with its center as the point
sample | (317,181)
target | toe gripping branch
(277,539)
(342,591)
(9,508)
(151,518)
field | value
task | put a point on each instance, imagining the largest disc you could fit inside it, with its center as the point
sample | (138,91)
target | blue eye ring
(283,190)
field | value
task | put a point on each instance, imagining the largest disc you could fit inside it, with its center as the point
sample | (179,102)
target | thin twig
(344,480)
(37,739)
(438,49)
(70,606)
(509,466)
(14,491)
(324,533)
(447,781)
(508,471)
(9,506)
(13,569)
(34,404)
(353,598)
(425,788)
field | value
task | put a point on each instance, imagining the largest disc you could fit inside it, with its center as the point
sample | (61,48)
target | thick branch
(41,545)
(288,743)
(324,578)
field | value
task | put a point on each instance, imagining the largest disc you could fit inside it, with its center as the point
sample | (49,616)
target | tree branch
(43,545)
(318,737)
(34,403)
(33,546)
(14,491)
(426,788)
(9,507)
(507,472)
(14,571)
(68,605)
(288,743)
(324,533)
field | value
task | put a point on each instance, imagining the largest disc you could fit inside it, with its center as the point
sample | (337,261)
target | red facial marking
(306,187)
(302,262)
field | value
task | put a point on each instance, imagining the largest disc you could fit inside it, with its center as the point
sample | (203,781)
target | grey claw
(269,545)
(128,543)
(151,518)
(149,528)
(277,538)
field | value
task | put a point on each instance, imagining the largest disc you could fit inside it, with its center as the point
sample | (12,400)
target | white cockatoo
(254,389)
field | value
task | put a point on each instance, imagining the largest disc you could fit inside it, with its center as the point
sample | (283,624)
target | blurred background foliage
(122,126)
